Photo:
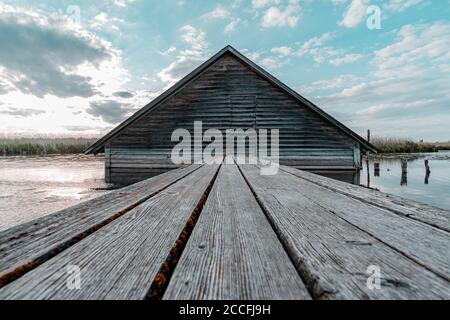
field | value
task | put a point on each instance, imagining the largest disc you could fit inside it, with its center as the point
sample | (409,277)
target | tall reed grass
(43,146)
(392,145)
(29,146)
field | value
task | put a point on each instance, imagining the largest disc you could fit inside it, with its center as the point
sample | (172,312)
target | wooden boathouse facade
(228,92)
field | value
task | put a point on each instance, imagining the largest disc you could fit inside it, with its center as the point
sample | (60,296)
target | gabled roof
(99,145)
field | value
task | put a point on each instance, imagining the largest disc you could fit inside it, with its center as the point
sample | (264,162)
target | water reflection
(424,178)
(428,171)
(376,169)
(36,186)
(352,177)
(427,177)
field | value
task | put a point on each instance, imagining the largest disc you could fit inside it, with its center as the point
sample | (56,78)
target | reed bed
(392,145)
(30,146)
(43,146)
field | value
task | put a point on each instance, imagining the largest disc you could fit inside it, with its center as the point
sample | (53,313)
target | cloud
(194,37)
(169,51)
(21,112)
(415,44)
(5,86)
(188,59)
(104,22)
(316,48)
(348,58)
(282,17)
(218,13)
(123,3)
(314,43)
(231,27)
(354,14)
(407,83)
(272,63)
(283,51)
(320,52)
(260,3)
(124,94)
(42,55)
(401,5)
(252,55)
(330,84)
(109,111)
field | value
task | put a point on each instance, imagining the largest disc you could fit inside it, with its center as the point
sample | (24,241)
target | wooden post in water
(367,160)
(427,166)
(404,166)
(428,172)
(376,169)
(404,180)
(368,170)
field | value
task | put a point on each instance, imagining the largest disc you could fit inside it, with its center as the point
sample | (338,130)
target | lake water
(433,190)
(31,187)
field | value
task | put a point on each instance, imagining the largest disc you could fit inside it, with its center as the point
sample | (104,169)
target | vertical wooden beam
(357,156)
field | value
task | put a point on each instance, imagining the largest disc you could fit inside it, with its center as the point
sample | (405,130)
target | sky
(81,67)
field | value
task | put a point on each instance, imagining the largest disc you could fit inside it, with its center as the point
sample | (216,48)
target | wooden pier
(228,232)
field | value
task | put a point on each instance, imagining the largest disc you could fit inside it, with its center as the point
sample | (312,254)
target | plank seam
(394,211)
(403,254)
(18,271)
(162,279)
(309,279)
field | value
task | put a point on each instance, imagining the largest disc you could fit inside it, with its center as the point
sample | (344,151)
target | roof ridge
(97,146)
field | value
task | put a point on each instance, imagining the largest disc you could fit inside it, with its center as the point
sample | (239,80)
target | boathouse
(229,91)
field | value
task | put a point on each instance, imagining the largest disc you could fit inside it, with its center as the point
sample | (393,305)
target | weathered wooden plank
(333,255)
(120,260)
(26,246)
(233,253)
(436,217)
(433,249)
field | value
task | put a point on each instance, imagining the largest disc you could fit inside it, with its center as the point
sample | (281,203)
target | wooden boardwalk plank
(120,260)
(332,254)
(233,253)
(436,217)
(418,241)
(26,246)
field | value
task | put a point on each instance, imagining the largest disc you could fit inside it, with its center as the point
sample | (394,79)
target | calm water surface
(31,187)
(433,190)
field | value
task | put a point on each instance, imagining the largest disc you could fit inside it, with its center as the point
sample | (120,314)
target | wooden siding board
(236,79)
(229,94)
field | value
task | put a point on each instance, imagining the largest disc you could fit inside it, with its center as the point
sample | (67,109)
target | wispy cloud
(187,59)
(354,14)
